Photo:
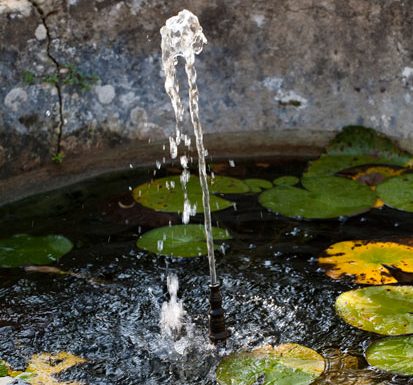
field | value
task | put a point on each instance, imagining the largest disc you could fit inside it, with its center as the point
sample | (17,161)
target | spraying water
(172,312)
(182,37)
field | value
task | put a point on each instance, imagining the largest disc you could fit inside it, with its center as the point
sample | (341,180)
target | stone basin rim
(78,168)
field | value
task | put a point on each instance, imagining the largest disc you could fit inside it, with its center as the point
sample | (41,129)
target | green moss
(58,157)
(29,78)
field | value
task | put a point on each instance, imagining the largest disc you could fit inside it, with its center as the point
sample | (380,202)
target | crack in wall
(57,65)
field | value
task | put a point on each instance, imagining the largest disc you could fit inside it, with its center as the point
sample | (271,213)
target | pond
(105,307)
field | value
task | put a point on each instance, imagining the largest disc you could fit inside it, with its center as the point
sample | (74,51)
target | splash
(182,36)
(172,312)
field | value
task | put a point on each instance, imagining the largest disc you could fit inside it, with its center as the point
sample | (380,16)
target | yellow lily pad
(42,367)
(368,262)
(287,364)
(45,365)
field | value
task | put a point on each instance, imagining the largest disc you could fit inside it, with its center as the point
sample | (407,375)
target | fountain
(182,36)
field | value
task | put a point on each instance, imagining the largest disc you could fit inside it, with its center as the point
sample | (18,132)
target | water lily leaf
(359,140)
(321,198)
(372,175)
(332,164)
(4,371)
(180,240)
(287,364)
(45,365)
(257,185)
(383,310)
(393,355)
(397,192)
(369,262)
(23,249)
(287,180)
(356,146)
(166,194)
(8,375)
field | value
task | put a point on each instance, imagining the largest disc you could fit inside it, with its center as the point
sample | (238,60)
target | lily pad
(41,370)
(180,240)
(356,140)
(369,262)
(372,175)
(332,164)
(321,198)
(287,364)
(287,180)
(166,194)
(397,192)
(4,371)
(356,146)
(383,310)
(23,249)
(393,355)
(257,185)
(45,365)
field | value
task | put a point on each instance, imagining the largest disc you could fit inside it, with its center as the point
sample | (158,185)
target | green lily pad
(257,185)
(383,310)
(356,140)
(287,364)
(287,180)
(22,249)
(4,371)
(180,240)
(332,164)
(397,192)
(321,198)
(356,146)
(394,355)
(166,194)
(368,262)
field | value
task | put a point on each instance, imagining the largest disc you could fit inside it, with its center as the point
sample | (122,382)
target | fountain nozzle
(217,330)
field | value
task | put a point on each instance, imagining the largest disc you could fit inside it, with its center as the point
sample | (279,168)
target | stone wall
(81,76)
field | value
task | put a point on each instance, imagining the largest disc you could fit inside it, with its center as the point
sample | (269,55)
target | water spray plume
(182,36)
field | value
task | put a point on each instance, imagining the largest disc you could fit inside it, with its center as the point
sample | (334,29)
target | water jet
(182,36)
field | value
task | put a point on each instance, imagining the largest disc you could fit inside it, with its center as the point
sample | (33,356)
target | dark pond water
(108,309)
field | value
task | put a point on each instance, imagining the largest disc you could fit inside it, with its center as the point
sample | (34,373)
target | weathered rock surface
(81,76)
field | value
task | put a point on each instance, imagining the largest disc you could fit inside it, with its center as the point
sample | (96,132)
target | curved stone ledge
(220,146)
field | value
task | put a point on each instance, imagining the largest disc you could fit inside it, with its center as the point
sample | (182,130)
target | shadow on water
(108,309)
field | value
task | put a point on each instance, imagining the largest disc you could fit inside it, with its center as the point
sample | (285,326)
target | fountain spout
(182,36)
(217,329)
